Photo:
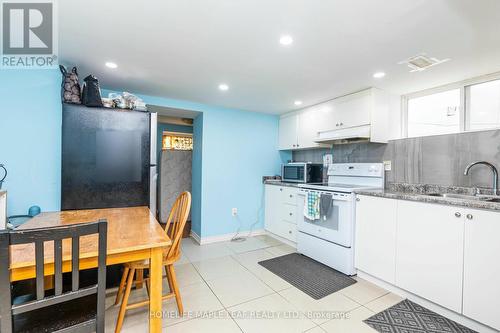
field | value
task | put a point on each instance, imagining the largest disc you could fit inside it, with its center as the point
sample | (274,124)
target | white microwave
(302,172)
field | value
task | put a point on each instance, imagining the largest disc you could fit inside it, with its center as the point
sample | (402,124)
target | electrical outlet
(387,165)
(234,211)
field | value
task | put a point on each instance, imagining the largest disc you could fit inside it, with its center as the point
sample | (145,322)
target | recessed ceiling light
(111,65)
(297,102)
(379,75)
(223,87)
(286,40)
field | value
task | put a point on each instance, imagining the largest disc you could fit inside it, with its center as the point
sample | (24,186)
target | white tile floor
(224,289)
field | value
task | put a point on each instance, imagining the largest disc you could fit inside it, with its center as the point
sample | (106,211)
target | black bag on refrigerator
(91,95)
(70,88)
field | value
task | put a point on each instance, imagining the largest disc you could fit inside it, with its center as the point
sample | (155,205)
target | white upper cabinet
(352,110)
(482,267)
(288,136)
(310,121)
(372,114)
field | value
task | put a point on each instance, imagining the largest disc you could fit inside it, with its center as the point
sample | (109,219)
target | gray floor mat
(313,278)
(410,317)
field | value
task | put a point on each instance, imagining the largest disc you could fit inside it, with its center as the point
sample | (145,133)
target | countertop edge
(473,204)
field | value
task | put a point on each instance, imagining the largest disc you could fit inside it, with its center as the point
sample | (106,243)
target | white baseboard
(459,318)
(223,238)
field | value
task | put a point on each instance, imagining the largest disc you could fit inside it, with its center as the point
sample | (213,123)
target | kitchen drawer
(289,195)
(289,213)
(287,230)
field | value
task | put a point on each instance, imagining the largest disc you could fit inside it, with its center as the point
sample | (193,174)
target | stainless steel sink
(454,196)
(465,197)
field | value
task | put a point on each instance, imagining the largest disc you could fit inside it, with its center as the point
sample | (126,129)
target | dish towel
(325,206)
(311,208)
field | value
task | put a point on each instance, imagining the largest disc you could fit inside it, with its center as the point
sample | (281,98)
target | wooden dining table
(134,234)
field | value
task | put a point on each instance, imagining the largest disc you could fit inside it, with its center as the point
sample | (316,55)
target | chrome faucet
(493,169)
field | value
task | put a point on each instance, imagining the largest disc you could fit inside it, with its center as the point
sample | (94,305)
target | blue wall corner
(197,165)
(30,138)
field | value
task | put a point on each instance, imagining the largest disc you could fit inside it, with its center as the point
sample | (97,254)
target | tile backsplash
(437,160)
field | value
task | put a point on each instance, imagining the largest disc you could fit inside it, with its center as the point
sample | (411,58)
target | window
(434,114)
(471,105)
(177,141)
(484,105)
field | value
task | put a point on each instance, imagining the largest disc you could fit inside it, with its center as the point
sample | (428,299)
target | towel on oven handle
(325,205)
(312,206)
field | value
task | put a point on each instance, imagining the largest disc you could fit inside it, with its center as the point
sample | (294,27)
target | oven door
(336,226)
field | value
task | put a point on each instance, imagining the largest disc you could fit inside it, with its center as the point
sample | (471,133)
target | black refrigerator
(108,161)
(108,158)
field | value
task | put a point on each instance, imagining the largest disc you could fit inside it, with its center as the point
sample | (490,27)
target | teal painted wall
(30,138)
(237,149)
(233,150)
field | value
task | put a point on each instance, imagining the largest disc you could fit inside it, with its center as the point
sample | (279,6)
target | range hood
(345,135)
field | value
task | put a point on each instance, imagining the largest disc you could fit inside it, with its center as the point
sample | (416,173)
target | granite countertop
(421,193)
(280,183)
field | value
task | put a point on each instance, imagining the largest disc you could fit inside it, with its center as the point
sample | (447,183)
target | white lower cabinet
(281,211)
(375,250)
(481,293)
(448,255)
(429,252)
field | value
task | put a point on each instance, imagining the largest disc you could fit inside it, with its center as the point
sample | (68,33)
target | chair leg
(122,285)
(123,307)
(147,286)
(140,279)
(169,280)
(176,289)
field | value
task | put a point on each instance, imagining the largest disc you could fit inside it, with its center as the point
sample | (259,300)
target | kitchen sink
(464,197)
(455,196)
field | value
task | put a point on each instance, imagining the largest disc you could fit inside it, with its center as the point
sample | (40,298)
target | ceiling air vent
(421,62)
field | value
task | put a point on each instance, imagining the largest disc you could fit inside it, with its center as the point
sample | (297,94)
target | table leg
(155,304)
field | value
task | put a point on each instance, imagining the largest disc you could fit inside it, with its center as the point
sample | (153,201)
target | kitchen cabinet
(481,290)
(309,123)
(353,110)
(371,114)
(288,136)
(429,252)
(298,130)
(375,250)
(281,211)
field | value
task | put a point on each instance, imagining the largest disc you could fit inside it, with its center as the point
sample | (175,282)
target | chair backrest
(56,235)
(176,222)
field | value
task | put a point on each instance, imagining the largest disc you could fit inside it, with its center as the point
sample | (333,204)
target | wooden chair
(71,309)
(174,228)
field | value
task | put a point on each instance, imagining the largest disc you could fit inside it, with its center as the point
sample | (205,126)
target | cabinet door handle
(457,214)
(281,190)
(341,124)
(337,124)
(358,199)
(290,232)
(470,216)
(291,214)
(291,196)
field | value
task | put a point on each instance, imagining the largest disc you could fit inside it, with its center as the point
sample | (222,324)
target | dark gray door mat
(313,278)
(409,317)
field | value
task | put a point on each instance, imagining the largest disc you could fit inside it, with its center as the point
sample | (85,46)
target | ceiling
(184,49)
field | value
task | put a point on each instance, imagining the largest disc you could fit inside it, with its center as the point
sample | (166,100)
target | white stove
(329,239)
